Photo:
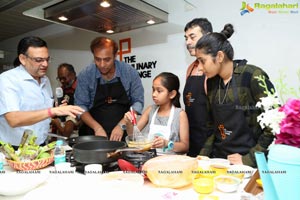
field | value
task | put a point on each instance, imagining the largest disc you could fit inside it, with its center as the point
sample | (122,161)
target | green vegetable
(25,138)
(45,155)
(28,149)
(11,152)
(46,148)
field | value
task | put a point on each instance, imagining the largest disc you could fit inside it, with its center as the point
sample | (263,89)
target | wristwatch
(170,145)
(123,126)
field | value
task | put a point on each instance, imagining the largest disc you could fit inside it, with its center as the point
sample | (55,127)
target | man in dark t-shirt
(66,75)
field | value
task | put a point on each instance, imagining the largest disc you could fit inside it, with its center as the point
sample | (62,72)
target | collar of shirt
(117,74)
(28,76)
(236,66)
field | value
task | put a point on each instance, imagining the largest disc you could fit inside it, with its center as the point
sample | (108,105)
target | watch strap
(122,126)
(169,147)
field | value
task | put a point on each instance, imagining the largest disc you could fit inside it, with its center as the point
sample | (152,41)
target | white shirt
(19,91)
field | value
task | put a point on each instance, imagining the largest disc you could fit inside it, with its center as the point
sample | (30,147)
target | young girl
(164,122)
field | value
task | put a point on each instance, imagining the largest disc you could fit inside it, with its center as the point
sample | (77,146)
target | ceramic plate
(122,179)
(63,186)
(16,183)
(99,191)
(115,185)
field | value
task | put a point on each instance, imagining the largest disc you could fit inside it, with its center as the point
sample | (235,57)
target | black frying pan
(74,140)
(96,151)
(101,151)
(86,138)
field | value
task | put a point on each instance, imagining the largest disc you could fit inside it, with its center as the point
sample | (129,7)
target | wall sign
(144,68)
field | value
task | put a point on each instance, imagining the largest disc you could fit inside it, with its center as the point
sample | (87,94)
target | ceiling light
(63,18)
(105,4)
(110,31)
(86,16)
(151,21)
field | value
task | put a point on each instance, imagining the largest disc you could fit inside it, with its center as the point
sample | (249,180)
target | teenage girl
(233,92)
(164,122)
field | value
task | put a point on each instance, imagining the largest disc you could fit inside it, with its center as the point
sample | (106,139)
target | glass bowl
(203,185)
(143,142)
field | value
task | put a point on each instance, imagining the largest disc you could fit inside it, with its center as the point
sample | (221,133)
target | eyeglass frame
(38,59)
(63,78)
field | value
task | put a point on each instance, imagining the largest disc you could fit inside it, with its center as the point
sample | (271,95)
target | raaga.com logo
(273,8)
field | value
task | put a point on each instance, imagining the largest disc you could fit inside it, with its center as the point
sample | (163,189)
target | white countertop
(79,186)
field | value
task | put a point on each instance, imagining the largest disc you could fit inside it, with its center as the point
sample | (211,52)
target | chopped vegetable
(28,149)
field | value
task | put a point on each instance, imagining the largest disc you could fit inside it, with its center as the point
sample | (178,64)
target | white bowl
(65,168)
(227,183)
(93,169)
(16,183)
(219,162)
(203,162)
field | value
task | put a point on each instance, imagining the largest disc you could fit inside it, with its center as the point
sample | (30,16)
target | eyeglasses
(38,59)
(64,78)
(61,78)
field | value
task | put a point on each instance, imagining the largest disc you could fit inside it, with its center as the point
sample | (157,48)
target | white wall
(167,56)
(270,41)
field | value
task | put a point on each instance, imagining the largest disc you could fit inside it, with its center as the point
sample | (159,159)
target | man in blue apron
(194,96)
(107,88)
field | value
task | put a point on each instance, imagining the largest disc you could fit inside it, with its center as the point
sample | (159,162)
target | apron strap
(171,116)
(235,92)
(196,63)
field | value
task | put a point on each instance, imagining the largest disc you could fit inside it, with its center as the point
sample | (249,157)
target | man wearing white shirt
(26,95)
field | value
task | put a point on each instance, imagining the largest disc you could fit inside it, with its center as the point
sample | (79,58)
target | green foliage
(283,89)
(262,83)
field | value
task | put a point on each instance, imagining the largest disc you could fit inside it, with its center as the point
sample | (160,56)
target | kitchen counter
(78,186)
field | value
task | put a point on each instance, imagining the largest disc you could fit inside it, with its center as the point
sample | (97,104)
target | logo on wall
(144,68)
(246,8)
(122,50)
(270,8)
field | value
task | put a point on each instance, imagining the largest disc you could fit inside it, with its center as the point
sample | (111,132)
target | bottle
(59,153)
(1,161)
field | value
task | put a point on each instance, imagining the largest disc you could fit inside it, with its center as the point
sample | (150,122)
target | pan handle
(117,152)
(57,136)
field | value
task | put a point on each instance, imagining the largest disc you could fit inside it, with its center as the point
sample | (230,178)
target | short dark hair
(30,41)
(16,62)
(102,42)
(68,66)
(203,23)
